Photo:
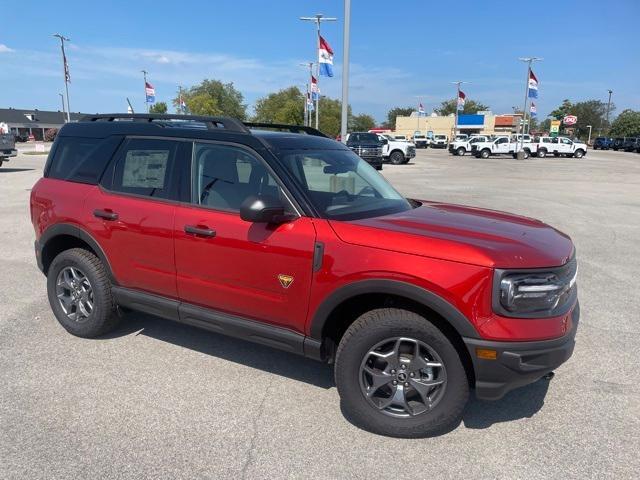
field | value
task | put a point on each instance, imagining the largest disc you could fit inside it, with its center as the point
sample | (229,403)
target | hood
(463,234)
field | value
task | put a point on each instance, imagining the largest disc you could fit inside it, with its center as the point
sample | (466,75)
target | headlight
(535,293)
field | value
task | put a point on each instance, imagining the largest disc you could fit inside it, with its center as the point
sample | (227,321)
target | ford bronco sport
(281,236)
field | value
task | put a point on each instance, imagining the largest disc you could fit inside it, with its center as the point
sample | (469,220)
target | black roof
(200,127)
(14,115)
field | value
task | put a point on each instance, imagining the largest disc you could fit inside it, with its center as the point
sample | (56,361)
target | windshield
(341,185)
(440,137)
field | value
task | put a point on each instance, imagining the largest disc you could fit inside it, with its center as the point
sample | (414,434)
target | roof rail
(288,128)
(227,123)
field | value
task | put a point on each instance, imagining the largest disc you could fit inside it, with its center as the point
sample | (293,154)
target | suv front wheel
(399,375)
(79,292)
(396,157)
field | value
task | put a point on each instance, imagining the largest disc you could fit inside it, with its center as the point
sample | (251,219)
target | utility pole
(65,68)
(528,61)
(419,99)
(64,116)
(455,126)
(346,34)
(608,109)
(144,75)
(318,19)
(180,107)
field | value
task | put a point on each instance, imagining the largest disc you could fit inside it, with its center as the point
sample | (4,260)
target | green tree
(397,112)
(563,110)
(159,107)
(361,123)
(470,106)
(545,125)
(330,115)
(285,106)
(627,124)
(212,97)
(590,112)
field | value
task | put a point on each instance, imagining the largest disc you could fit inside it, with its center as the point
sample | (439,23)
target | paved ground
(167,401)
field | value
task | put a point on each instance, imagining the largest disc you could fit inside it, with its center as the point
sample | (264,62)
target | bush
(50,134)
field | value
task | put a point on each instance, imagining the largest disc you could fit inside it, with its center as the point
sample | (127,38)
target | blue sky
(399,50)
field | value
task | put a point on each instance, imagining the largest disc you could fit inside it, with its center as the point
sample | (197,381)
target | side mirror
(263,209)
(385,141)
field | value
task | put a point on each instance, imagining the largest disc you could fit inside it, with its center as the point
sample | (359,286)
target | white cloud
(5,49)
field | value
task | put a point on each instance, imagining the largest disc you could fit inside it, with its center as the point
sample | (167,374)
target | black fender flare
(75,231)
(394,287)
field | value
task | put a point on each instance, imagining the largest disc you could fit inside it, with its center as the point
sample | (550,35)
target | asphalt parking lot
(162,400)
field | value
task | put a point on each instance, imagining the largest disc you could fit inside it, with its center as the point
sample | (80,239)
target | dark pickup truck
(7,147)
(368,147)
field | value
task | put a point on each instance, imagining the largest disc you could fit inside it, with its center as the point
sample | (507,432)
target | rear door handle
(105,214)
(200,231)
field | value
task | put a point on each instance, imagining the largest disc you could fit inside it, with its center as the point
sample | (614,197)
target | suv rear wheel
(485,153)
(461,151)
(398,375)
(79,292)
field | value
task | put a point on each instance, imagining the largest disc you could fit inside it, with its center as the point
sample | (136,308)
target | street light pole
(346,33)
(144,75)
(64,116)
(307,116)
(528,61)
(65,69)
(455,126)
(318,19)
(589,139)
(608,109)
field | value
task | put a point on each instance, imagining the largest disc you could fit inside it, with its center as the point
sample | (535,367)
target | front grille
(368,151)
(411,150)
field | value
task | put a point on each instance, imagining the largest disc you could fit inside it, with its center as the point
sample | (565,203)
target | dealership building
(34,122)
(481,122)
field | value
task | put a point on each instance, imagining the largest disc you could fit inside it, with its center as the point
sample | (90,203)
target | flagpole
(318,18)
(306,99)
(529,61)
(65,70)
(144,74)
(180,108)
(457,103)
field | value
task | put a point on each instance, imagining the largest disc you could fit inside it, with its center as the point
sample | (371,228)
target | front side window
(145,167)
(341,185)
(224,176)
(566,141)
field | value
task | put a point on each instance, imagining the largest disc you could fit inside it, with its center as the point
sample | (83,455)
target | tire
(1,162)
(461,151)
(542,153)
(383,328)
(527,153)
(396,157)
(485,154)
(86,323)
(578,154)
(556,154)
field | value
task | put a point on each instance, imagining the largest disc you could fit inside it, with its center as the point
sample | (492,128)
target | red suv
(281,236)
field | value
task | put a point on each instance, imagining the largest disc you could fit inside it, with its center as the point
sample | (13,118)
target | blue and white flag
(533,111)
(325,58)
(533,85)
(421,111)
(150,92)
(310,106)
(315,91)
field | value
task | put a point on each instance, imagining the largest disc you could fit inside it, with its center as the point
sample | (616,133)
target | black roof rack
(228,123)
(287,128)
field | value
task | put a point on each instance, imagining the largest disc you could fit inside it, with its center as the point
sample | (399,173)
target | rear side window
(79,159)
(147,167)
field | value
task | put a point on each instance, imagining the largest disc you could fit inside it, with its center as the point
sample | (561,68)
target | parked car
(561,146)
(420,140)
(602,143)
(439,141)
(368,146)
(460,147)
(20,138)
(461,137)
(7,147)
(402,138)
(293,241)
(503,145)
(396,151)
(618,143)
(630,144)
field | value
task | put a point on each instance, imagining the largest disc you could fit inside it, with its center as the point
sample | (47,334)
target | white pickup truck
(561,146)
(460,147)
(503,145)
(439,141)
(7,144)
(397,151)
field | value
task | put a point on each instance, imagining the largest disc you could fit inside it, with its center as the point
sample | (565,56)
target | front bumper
(8,153)
(519,363)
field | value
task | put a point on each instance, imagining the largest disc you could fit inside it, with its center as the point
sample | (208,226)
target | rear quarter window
(79,159)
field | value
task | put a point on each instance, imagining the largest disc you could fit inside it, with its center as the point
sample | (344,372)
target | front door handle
(199,231)
(105,214)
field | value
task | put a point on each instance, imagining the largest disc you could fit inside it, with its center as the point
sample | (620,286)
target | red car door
(132,217)
(253,270)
